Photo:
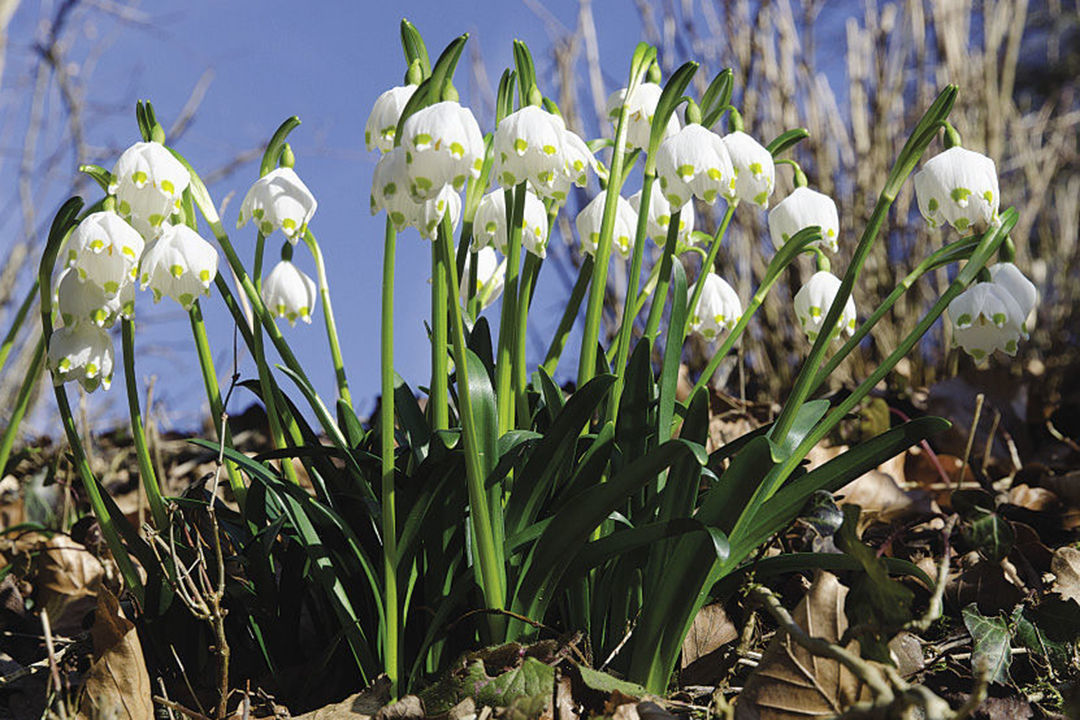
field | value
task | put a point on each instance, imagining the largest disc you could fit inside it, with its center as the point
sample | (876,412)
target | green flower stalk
(440,390)
(569,316)
(505,391)
(328,314)
(708,265)
(386,455)
(142,451)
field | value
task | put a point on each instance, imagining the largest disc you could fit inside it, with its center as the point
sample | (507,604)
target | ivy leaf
(992,638)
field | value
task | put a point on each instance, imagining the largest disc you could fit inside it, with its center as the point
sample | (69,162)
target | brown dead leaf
(407,708)
(791,682)
(880,498)
(355,707)
(710,630)
(67,578)
(1066,568)
(984,583)
(1036,499)
(117,686)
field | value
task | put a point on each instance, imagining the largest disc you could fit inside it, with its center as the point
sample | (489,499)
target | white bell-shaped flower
(660,212)
(958,187)
(443,145)
(718,309)
(430,212)
(489,278)
(640,109)
(382,123)
(813,301)
(279,199)
(1023,291)
(986,318)
(148,183)
(390,190)
(695,161)
(489,224)
(755,173)
(575,170)
(82,352)
(84,301)
(805,208)
(287,292)
(591,218)
(180,264)
(105,250)
(529,145)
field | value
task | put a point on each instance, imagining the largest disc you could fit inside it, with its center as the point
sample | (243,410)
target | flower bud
(148,183)
(385,114)
(279,199)
(695,161)
(660,212)
(958,187)
(489,225)
(591,217)
(719,308)
(805,208)
(443,146)
(289,293)
(813,301)
(180,264)
(81,352)
(105,250)
(755,173)
(640,109)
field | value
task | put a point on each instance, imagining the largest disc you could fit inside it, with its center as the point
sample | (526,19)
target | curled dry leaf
(1066,569)
(117,686)
(67,578)
(710,630)
(791,682)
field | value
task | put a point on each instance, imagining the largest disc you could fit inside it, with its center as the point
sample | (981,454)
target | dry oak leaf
(360,706)
(117,686)
(1066,568)
(790,682)
(710,631)
(67,579)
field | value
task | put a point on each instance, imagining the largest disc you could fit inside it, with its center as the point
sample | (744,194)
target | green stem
(708,265)
(22,402)
(569,316)
(386,447)
(521,380)
(213,394)
(489,559)
(656,310)
(16,324)
(505,391)
(328,314)
(440,389)
(138,433)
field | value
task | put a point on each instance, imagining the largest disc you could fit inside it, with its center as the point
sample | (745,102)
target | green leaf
(411,418)
(669,372)
(787,140)
(485,417)
(992,644)
(531,679)
(989,533)
(635,423)
(553,398)
(606,684)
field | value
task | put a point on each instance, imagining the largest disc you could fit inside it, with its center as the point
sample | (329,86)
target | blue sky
(325,62)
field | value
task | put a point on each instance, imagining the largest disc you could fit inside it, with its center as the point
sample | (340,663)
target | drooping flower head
(489,225)
(1008,277)
(805,208)
(640,109)
(695,162)
(389,192)
(443,146)
(279,199)
(382,123)
(105,250)
(430,212)
(287,292)
(718,309)
(958,187)
(813,301)
(84,301)
(574,171)
(529,145)
(82,352)
(591,218)
(986,318)
(489,278)
(148,183)
(660,212)
(179,264)
(755,173)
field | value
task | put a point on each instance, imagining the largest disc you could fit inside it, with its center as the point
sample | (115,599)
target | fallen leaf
(984,583)
(1066,568)
(791,682)
(407,708)
(878,495)
(67,578)
(355,707)
(907,653)
(710,630)
(117,685)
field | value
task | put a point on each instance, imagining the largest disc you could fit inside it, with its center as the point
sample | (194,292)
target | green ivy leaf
(992,638)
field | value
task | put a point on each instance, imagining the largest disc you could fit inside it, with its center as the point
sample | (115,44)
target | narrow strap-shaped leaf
(669,373)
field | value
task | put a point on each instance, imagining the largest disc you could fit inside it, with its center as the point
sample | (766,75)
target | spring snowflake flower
(591,217)
(443,146)
(489,278)
(1008,277)
(813,301)
(148,183)
(105,250)
(718,309)
(660,216)
(529,145)
(389,192)
(755,173)
(985,318)
(84,301)
(958,187)
(82,352)
(287,292)
(575,170)
(180,264)
(695,161)
(805,208)
(640,109)
(489,225)
(385,114)
(279,199)
(430,212)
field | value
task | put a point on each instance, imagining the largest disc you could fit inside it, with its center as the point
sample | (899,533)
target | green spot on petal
(177,271)
(960,195)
